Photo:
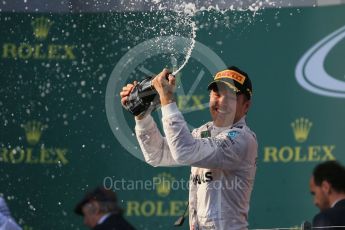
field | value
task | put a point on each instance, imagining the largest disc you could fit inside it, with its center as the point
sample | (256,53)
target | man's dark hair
(333,173)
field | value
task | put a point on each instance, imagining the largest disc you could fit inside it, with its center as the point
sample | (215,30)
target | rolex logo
(41,27)
(301,128)
(163,185)
(33,131)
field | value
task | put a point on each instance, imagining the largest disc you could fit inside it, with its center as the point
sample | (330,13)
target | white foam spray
(189,52)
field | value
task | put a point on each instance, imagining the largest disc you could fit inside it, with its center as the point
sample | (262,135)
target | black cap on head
(236,79)
(99,194)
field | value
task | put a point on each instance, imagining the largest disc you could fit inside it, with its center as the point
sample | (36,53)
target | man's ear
(247,104)
(326,187)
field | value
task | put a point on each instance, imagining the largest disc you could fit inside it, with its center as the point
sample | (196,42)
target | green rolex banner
(63,131)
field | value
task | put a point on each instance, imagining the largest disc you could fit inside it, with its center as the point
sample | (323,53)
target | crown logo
(33,131)
(41,27)
(164,184)
(301,128)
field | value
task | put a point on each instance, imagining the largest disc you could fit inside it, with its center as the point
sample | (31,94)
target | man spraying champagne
(222,153)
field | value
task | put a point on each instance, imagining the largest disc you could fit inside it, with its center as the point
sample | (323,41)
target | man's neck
(227,124)
(335,198)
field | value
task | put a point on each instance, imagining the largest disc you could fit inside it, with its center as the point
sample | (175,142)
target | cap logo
(231,75)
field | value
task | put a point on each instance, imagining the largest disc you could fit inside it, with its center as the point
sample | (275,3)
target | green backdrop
(57,72)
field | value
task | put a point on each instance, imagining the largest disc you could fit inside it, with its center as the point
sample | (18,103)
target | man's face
(225,107)
(90,214)
(320,194)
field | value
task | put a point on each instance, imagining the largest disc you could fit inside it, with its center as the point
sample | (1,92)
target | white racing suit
(223,164)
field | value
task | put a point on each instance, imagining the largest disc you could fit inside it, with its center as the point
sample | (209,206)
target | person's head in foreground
(230,96)
(327,184)
(96,204)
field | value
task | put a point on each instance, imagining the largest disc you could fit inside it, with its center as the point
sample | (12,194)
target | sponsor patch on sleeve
(232,134)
